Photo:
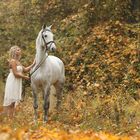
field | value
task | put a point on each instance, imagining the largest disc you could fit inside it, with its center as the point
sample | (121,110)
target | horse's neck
(39,55)
(39,52)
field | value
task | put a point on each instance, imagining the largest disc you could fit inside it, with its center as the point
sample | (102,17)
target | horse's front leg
(46,103)
(35,104)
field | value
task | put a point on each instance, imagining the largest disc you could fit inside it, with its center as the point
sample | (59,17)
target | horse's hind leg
(58,87)
(46,103)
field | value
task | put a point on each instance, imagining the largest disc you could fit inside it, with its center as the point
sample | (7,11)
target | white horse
(49,70)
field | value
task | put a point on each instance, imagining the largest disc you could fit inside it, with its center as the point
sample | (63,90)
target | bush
(113,10)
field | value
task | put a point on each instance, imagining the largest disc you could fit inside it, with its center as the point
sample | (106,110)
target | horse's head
(46,37)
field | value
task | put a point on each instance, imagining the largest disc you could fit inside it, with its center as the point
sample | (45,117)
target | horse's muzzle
(53,49)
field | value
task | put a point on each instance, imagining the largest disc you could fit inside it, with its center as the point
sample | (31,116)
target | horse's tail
(63,72)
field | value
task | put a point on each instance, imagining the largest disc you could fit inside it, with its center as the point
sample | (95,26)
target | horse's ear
(44,26)
(50,27)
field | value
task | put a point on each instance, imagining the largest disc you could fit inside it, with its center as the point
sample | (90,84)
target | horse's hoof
(35,121)
(45,120)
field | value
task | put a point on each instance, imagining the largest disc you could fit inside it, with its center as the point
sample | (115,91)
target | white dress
(13,88)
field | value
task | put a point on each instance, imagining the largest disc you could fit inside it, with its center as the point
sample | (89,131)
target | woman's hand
(26,78)
(27,69)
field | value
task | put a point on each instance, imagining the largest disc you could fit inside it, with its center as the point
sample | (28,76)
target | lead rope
(37,67)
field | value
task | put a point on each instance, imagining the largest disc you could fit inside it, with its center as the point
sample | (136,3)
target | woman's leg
(4,110)
(12,110)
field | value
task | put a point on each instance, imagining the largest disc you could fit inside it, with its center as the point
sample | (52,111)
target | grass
(114,114)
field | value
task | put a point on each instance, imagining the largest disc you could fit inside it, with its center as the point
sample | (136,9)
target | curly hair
(12,52)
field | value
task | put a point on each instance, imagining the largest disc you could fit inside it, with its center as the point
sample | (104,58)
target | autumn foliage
(99,45)
(44,134)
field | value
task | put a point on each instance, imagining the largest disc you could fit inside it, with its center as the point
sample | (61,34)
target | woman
(13,87)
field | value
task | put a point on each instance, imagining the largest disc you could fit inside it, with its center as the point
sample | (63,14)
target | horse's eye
(45,35)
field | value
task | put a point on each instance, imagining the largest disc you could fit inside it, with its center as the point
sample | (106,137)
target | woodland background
(99,43)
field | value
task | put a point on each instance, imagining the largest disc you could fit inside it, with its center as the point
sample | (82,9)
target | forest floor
(22,126)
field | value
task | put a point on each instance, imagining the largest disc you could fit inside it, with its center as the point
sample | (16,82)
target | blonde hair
(12,53)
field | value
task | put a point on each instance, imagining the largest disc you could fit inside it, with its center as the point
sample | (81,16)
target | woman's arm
(14,69)
(27,69)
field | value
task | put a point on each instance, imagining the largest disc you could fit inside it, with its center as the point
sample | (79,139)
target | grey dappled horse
(49,70)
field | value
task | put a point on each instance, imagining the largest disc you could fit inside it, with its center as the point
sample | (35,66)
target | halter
(45,56)
(47,43)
